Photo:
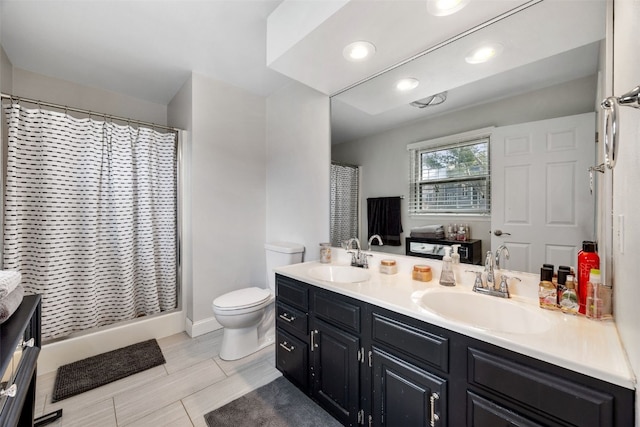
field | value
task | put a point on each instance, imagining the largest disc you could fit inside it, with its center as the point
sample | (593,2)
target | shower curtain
(345,198)
(90,218)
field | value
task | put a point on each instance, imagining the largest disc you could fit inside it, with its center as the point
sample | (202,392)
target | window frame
(417,183)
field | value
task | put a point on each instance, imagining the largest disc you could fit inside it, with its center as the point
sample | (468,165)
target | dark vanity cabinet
(19,348)
(367,365)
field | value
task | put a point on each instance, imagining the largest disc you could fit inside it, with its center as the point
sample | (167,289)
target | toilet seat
(242,299)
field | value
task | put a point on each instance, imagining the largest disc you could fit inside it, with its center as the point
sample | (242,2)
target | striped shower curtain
(90,218)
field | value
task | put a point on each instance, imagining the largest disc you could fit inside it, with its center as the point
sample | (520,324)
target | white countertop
(576,343)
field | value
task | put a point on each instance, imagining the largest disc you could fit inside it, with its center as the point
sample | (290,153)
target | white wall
(6,72)
(298,159)
(385,160)
(227,194)
(626,181)
(37,86)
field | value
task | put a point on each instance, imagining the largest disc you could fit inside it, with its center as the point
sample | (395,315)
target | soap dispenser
(447,277)
(455,256)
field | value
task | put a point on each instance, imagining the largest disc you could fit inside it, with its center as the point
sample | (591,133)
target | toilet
(247,315)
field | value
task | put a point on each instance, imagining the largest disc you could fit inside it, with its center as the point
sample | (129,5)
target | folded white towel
(10,303)
(9,280)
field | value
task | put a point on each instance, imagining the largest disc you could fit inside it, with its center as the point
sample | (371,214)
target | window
(451,175)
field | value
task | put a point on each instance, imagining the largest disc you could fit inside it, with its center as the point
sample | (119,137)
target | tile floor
(193,382)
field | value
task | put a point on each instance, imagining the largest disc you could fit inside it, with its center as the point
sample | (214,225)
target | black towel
(383,214)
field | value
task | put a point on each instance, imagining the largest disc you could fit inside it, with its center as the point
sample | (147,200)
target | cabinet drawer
(485,413)
(292,358)
(292,292)
(337,310)
(292,320)
(537,390)
(425,346)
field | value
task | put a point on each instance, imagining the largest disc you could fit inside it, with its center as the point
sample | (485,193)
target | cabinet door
(335,370)
(484,413)
(405,395)
(292,359)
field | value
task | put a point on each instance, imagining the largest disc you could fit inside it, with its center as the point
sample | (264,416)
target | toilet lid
(242,298)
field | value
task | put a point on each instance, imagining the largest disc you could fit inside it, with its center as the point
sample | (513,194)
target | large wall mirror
(539,95)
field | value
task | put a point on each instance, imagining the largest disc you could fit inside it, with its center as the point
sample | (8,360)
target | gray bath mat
(277,404)
(95,371)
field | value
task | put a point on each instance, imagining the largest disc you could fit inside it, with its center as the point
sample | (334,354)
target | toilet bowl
(240,312)
(247,314)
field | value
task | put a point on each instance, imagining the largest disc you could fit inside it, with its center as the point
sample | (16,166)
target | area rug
(96,371)
(277,404)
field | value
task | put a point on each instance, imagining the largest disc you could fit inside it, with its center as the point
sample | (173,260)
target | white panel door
(540,194)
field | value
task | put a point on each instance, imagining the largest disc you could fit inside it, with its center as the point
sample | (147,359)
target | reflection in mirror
(549,69)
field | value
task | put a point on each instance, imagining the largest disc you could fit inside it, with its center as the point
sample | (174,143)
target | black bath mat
(277,404)
(95,371)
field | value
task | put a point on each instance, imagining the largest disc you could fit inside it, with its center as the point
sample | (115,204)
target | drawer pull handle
(29,343)
(432,402)
(284,316)
(9,392)
(313,339)
(284,345)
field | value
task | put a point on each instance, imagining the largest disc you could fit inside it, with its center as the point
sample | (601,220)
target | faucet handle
(365,260)
(504,284)
(478,282)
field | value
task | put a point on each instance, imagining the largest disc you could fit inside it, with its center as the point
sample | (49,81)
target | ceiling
(146,49)
(149,48)
(546,44)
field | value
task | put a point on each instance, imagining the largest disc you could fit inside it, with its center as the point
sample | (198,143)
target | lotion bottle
(447,277)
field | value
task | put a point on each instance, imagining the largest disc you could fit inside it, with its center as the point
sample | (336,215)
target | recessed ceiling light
(358,51)
(484,53)
(407,84)
(445,7)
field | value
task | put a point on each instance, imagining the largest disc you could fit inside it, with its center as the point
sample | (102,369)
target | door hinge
(361,416)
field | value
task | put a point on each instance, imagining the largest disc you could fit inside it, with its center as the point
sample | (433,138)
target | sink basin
(339,274)
(485,312)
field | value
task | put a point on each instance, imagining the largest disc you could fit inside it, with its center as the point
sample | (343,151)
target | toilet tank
(280,254)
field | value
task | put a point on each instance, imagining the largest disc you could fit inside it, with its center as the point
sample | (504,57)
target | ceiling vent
(430,101)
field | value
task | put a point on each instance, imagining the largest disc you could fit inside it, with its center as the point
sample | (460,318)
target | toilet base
(239,343)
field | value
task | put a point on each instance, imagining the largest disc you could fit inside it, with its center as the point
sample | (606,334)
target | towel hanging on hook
(610,126)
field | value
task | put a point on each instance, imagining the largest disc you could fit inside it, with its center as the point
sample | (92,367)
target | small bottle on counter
(388,266)
(569,300)
(325,253)
(547,292)
(594,302)
(422,273)
(563,273)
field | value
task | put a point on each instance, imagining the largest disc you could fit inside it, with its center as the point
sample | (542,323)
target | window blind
(453,178)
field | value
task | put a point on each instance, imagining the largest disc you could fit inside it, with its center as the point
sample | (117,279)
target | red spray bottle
(587,259)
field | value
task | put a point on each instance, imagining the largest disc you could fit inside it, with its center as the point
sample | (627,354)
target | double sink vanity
(386,350)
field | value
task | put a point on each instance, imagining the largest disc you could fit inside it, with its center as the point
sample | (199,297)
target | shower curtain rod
(89,112)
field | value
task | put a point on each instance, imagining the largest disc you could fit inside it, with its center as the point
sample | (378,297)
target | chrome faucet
(502,249)
(491,266)
(359,258)
(375,237)
(489,269)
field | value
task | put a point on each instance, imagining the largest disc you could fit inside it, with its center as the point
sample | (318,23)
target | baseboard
(109,338)
(201,327)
